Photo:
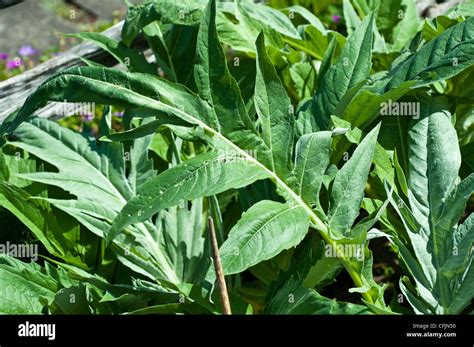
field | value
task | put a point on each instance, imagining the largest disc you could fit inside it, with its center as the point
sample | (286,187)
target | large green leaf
(95,206)
(462,297)
(293,298)
(110,86)
(208,174)
(407,27)
(187,12)
(61,236)
(351,68)
(443,57)
(217,86)
(77,162)
(129,57)
(27,288)
(348,187)
(312,158)
(264,230)
(181,234)
(264,18)
(437,200)
(275,111)
(434,162)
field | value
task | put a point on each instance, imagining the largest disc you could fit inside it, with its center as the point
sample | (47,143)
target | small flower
(118,114)
(336,19)
(13,64)
(27,51)
(89,117)
(3,56)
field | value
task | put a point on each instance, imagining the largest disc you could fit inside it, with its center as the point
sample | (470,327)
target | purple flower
(27,51)
(13,64)
(89,117)
(335,18)
(3,56)
(118,114)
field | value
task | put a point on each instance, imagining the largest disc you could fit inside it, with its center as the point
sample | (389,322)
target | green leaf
(323,273)
(181,235)
(275,112)
(351,68)
(205,175)
(388,16)
(98,200)
(180,43)
(141,166)
(441,249)
(219,88)
(76,160)
(293,298)
(186,12)
(308,16)
(229,133)
(114,87)
(462,297)
(61,236)
(455,205)
(4,171)
(264,230)
(304,78)
(348,187)
(163,57)
(434,162)
(19,162)
(443,57)
(400,175)
(312,158)
(129,57)
(264,18)
(350,16)
(25,288)
(420,306)
(327,61)
(407,27)
(463,238)
(364,108)
(62,303)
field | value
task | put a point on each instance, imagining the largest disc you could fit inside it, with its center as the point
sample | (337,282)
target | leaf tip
(105,138)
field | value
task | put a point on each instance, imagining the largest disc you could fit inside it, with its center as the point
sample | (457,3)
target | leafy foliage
(273,123)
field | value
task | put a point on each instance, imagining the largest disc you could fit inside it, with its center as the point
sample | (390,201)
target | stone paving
(39,23)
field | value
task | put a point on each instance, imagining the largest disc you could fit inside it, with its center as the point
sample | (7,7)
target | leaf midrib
(157,105)
(315,220)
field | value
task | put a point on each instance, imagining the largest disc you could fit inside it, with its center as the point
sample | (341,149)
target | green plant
(281,140)
(436,250)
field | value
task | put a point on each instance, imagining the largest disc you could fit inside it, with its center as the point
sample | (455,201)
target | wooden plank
(15,90)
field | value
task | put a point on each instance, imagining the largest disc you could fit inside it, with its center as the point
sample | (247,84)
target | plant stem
(317,222)
(346,263)
(218,267)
